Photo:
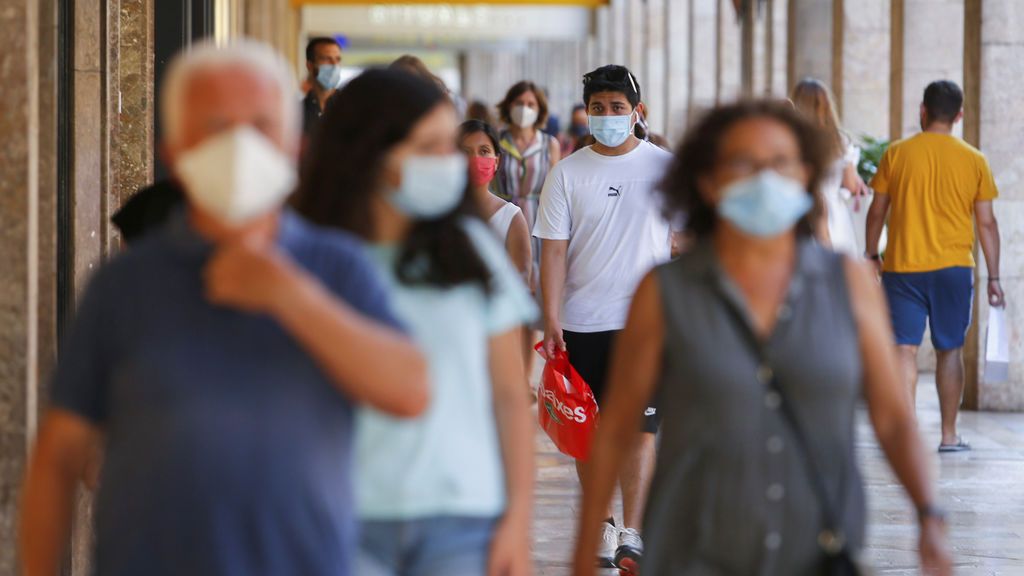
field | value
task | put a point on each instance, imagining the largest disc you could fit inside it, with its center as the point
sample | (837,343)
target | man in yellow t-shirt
(934,188)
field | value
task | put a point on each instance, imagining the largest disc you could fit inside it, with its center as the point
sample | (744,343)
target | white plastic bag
(997,347)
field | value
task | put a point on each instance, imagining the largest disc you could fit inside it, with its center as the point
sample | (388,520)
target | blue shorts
(435,546)
(942,297)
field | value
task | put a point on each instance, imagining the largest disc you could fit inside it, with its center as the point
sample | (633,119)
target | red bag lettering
(566,407)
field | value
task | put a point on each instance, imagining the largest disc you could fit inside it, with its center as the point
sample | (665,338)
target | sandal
(960,446)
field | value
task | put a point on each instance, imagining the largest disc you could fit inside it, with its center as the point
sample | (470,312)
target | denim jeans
(437,546)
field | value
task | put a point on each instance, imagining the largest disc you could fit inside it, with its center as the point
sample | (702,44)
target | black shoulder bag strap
(831,540)
(838,561)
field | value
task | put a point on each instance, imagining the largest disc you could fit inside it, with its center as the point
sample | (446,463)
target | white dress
(838,202)
(501,220)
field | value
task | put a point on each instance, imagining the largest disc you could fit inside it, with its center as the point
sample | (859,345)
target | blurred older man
(220,357)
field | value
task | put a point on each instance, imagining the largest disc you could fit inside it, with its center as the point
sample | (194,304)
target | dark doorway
(177,24)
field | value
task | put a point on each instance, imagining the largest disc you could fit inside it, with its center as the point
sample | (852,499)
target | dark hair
(943,100)
(699,151)
(474,126)
(362,122)
(517,90)
(314,42)
(416,67)
(477,110)
(611,78)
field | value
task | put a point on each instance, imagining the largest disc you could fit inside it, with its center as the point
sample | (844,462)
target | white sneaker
(609,543)
(631,548)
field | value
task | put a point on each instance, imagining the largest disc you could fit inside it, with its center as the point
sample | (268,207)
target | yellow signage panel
(580,3)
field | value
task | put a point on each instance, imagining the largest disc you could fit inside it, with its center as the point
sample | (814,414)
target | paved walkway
(983,490)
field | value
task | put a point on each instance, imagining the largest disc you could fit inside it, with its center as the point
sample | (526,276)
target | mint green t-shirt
(447,461)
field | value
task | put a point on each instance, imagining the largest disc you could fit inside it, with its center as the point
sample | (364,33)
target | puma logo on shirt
(615,191)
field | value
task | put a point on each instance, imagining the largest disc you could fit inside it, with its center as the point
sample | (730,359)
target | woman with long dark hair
(479,142)
(449,492)
(763,343)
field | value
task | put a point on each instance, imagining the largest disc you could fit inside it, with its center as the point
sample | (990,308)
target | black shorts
(590,353)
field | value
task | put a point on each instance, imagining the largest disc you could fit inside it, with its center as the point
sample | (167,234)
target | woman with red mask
(480,144)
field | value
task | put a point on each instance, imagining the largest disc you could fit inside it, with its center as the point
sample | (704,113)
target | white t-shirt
(608,208)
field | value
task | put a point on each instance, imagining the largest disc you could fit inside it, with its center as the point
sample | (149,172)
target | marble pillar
(654,73)
(810,36)
(1001,138)
(19,249)
(778,47)
(677,67)
(864,90)
(703,56)
(932,40)
(729,73)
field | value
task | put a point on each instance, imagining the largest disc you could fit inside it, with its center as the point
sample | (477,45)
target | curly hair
(698,156)
(361,123)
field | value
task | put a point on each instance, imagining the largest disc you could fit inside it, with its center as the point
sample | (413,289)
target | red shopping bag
(566,407)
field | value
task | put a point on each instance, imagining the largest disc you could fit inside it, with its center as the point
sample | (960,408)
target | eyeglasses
(618,74)
(741,167)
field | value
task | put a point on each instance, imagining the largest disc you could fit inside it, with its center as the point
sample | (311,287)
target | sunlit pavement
(983,490)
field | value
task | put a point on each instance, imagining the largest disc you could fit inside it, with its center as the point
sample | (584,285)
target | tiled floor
(983,490)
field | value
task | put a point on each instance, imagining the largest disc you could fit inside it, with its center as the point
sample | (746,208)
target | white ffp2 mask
(236,175)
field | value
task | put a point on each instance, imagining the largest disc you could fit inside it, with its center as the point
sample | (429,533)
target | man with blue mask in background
(602,230)
(219,359)
(323,63)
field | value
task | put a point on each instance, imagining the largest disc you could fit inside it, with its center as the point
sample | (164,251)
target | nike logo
(615,191)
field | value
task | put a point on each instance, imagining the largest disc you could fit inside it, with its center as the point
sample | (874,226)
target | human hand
(510,549)
(934,549)
(552,340)
(996,298)
(249,276)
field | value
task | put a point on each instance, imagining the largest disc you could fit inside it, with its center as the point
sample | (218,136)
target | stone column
(863,67)
(677,67)
(927,45)
(703,55)
(778,47)
(810,40)
(19,248)
(729,53)
(1001,138)
(653,76)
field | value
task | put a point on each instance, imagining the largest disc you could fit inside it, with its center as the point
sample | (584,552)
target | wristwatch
(873,257)
(929,511)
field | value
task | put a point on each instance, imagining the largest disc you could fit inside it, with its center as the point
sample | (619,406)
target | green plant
(871,150)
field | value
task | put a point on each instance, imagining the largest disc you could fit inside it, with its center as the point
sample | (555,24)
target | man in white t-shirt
(602,229)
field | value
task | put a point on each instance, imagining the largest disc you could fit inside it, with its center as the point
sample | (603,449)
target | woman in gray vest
(759,343)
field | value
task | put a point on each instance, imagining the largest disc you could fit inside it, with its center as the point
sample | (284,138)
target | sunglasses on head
(617,75)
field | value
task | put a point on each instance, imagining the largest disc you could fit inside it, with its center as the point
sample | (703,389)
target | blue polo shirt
(228,451)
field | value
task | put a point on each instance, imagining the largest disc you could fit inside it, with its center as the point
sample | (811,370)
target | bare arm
(553,268)
(518,246)
(555,151)
(62,452)
(890,408)
(636,360)
(515,427)
(988,236)
(368,362)
(889,403)
(853,182)
(875,222)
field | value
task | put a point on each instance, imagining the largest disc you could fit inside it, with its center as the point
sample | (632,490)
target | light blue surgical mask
(328,76)
(765,204)
(431,187)
(611,131)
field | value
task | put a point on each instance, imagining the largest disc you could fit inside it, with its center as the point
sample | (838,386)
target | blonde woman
(840,182)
